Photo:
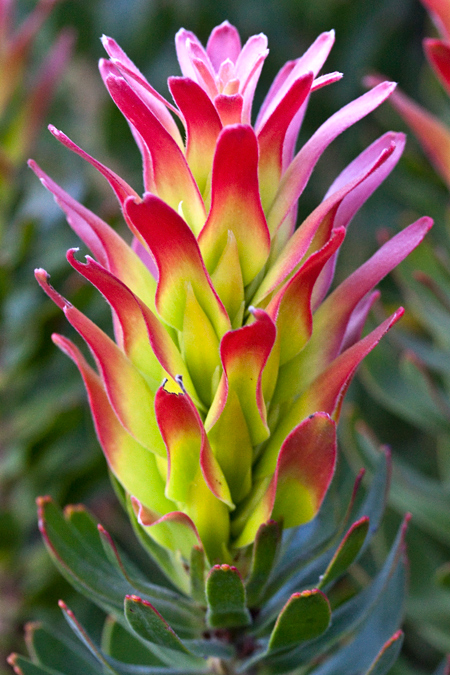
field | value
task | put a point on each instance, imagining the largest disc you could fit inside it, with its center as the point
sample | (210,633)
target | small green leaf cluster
(292,603)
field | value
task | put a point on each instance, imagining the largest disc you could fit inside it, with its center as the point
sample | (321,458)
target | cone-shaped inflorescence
(216,404)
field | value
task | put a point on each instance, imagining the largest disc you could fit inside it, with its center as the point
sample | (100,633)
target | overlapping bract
(216,404)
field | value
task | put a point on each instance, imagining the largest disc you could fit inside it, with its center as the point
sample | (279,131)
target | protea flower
(217,402)
(430,131)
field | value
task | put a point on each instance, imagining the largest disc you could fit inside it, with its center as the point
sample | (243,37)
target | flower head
(217,402)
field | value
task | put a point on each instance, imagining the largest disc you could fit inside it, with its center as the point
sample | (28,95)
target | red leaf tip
(42,501)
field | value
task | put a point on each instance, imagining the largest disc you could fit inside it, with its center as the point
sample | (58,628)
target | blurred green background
(47,443)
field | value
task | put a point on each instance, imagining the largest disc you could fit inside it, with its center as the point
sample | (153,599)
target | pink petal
(143,338)
(108,247)
(291,306)
(298,172)
(326,393)
(251,53)
(173,179)
(157,103)
(244,353)
(440,12)
(354,200)
(182,40)
(321,217)
(229,107)
(178,530)
(203,66)
(332,317)
(312,60)
(271,136)
(438,54)
(301,474)
(236,420)
(223,43)
(358,319)
(203,126)
(120,187)
(328,390)
(248,69)
(307,461)
(179,420)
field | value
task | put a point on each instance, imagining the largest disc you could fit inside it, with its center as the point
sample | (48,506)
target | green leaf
(23,666)
(444,667)
(407,394)
(265,550)
(114,667)
(197,573)
(225,595)
(120,644)
(305,616)
(443,575)
(86,640)
(357,655)
(415,492)
(86,526)
(346,618)
(84,566)
(163,596)
(146,622)
(313,562)
(58,653)
(387,656)
(77,550)
(347,551)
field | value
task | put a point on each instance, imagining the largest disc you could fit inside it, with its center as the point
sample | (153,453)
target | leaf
(225,595)
(74,544)
(387,656)
(85,639)
(347,551)
(265,550)
(305,616)
(112,666)
(311,563)
(146,622)
(347,618)
(383,619)
(58,653)
(23,666)
(307,542)
(406,395)
(118,643)
(444,667)
(197,575)
(415,492)
(83,566)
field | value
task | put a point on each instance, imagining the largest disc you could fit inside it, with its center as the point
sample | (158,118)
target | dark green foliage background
(47,443)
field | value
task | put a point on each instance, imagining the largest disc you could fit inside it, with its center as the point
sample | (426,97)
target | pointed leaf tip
(305,616)
(148,624)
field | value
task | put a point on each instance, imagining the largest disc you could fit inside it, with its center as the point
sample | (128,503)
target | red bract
(216,405)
